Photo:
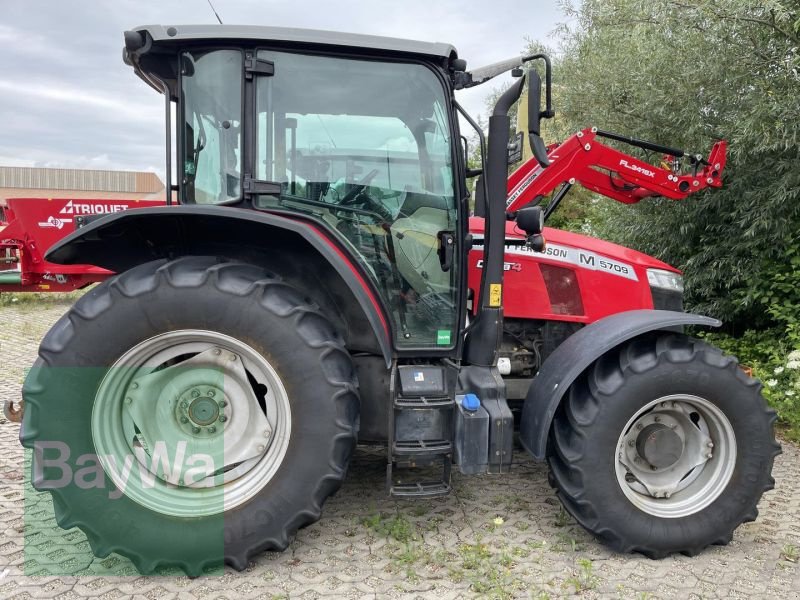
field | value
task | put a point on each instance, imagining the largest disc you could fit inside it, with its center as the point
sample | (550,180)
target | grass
(790,553)
(488,570)
(32,301)
(583,579)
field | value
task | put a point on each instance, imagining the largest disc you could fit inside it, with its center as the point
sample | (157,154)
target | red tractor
(312,290)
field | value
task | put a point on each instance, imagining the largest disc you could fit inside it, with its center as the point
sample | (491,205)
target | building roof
(34,178)
(164,34)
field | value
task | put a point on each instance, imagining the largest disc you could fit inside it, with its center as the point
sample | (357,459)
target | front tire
(195,354)
(663,445)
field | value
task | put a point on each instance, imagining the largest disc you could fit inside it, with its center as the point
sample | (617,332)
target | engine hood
(583,242)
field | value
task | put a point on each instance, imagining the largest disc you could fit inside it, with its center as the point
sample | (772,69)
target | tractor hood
(583,242)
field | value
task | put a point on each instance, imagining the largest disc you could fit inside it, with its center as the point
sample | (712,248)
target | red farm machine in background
(29,226)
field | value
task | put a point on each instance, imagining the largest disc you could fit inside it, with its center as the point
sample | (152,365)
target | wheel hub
(659,445)
(205,417)
(203,410)
(675,455)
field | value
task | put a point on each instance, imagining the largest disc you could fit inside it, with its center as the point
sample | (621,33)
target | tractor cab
(354,134)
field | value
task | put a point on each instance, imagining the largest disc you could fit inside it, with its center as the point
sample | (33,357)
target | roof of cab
(165,34)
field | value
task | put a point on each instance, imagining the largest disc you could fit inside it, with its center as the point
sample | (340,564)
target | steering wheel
(350,196)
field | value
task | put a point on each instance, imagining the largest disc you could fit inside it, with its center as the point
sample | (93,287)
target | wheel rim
(675,456)
(191,423)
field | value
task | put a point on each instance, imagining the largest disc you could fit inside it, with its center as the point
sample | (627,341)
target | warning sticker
(495,295)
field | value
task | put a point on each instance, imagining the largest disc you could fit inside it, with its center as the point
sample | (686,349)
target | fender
(579,351)
(120,241)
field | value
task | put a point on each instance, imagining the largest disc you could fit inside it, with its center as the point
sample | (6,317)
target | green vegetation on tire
(166,324)
(698,429)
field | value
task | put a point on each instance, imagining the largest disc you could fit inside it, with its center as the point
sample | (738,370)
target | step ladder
(420,431)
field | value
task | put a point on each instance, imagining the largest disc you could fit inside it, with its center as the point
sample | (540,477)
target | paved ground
(498,537)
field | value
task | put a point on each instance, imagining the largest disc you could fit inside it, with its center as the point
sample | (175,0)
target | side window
(364,147)
(211,135)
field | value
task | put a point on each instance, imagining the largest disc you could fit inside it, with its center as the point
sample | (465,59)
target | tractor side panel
(565,282)
(577,353)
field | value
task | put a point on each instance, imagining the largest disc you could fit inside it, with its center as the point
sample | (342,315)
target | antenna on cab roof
(216,14)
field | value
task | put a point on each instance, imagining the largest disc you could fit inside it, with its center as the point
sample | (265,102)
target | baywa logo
(83,208)
(143,469)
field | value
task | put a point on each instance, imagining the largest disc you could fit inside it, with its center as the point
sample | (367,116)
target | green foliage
(684,74)
(395,527)
(775,360)
(584,578)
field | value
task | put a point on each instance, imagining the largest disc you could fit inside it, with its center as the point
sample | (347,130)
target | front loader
(309,291)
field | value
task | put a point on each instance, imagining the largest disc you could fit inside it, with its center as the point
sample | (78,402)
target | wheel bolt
(128,400)
(260,448)
(222,418)
(211,393)
(710,444)
(223,403)
(184,420)
(232,357)
(652,468)
(134,386)
(212,429)
(184,405)
(639,426)
(216,351)
(667,494)
(195,429)
(709,455)
(631,443)
(195,393)
(657,419)
(637,460)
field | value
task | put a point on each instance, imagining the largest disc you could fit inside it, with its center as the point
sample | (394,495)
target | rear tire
(625,408)
(211,307)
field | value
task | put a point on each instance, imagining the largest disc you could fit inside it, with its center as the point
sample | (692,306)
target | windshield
(365,147)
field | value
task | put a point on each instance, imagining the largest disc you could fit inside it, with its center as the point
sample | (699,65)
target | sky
(67,99)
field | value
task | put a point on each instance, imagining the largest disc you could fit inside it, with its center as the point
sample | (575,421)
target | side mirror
(534,118)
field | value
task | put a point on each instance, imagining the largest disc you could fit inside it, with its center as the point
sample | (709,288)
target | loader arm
(585,160)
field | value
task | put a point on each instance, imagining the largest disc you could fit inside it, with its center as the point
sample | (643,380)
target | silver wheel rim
(203,394)
(693,446)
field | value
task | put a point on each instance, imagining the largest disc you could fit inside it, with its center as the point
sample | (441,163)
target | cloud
(66,98)
(57,92)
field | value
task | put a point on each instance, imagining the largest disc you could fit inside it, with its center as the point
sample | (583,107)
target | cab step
(420,450)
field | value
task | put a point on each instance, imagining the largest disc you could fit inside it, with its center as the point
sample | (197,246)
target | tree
(684,74)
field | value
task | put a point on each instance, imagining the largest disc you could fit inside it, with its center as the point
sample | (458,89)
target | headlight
(665,280)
